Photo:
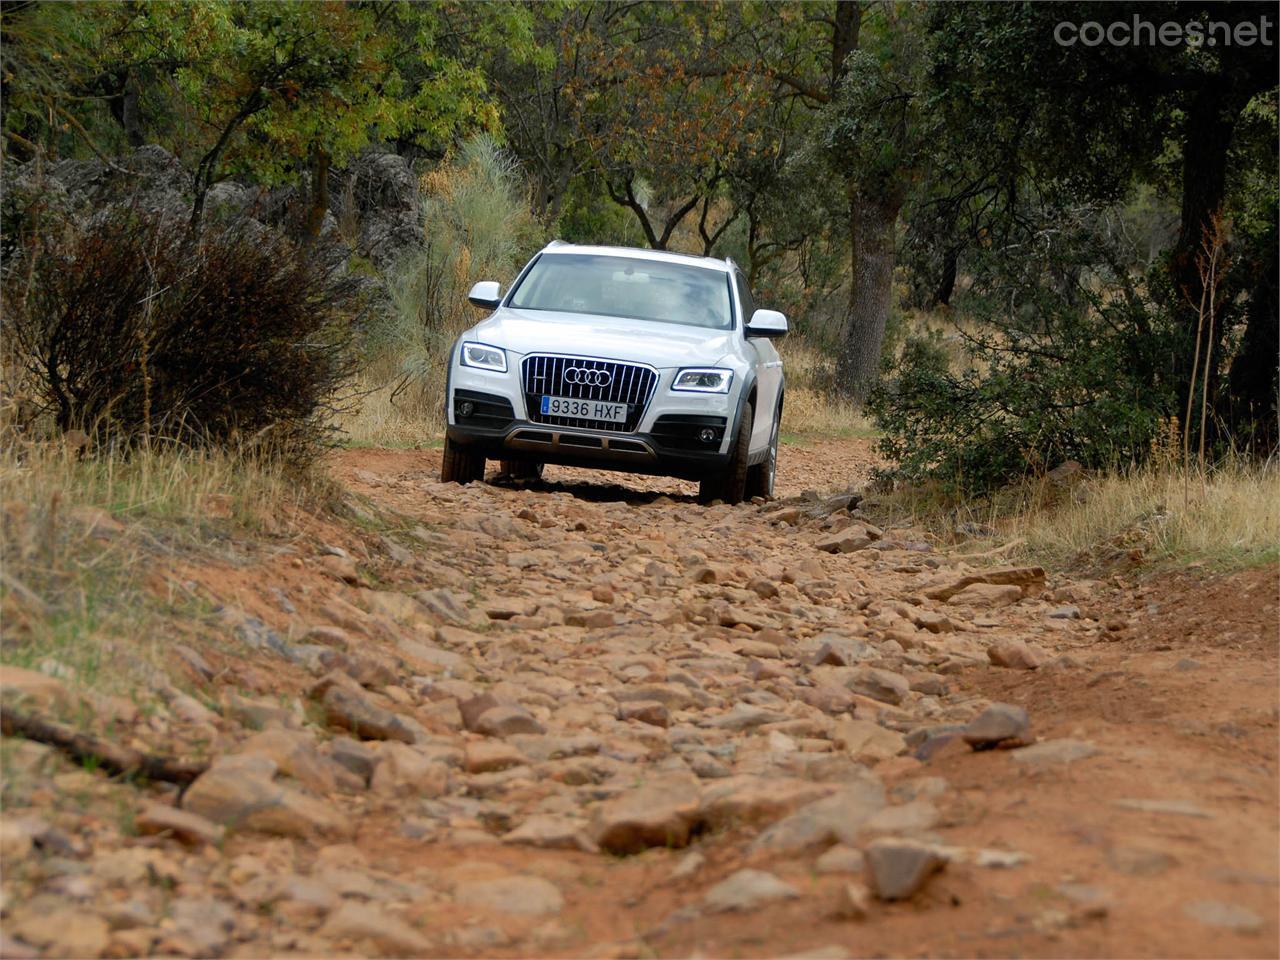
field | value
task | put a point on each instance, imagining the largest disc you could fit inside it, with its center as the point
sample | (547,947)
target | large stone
(838,818)
(363,922)
(758,800)
(744,716)
(987,595)
(748,890)
(899,867)
(883,685)
(1016,655)
(521,896)
(354,756)
(551,833)
(486,756)
(294,753)
(238,792)
(507,720)
(847,540)
(184,825)
(864,739)
(407,771)
(659,813)
(353,710)
(446,605)
(1000,725)
(1027,578)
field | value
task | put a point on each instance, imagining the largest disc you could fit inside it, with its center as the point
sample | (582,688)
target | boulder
(659,813)
(899,867)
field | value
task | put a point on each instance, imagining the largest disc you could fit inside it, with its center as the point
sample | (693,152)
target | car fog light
(707,435)
(466,408)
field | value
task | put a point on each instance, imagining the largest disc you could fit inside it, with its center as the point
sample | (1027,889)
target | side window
(744,297)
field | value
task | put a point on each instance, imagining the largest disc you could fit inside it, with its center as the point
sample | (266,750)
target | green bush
(476,225)
(1071,362)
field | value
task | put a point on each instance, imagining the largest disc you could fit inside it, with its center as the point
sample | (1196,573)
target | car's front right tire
(460,464)
(730,485)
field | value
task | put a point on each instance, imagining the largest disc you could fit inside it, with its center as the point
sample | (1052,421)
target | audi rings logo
(588,378)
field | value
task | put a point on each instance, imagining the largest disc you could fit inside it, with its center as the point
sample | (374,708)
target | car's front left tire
(460,464)
(730,485)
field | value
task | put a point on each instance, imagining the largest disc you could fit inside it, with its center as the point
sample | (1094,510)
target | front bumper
(630,452)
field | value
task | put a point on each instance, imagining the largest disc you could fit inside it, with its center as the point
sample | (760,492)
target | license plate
(584,409)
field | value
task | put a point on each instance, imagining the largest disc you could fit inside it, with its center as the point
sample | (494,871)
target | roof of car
(639,253)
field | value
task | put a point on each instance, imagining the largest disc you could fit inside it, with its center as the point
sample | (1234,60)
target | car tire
(521,469)
(460,464)
(731,484)
(761,477)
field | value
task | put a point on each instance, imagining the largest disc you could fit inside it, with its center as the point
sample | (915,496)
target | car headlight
(703,380)
(484,356)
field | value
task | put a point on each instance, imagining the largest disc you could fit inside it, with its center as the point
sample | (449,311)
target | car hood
(609,338)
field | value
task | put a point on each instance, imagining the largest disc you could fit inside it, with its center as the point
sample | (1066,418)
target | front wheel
(460,464)
(731,485)
(761,477)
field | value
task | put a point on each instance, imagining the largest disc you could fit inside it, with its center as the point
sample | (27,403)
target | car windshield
(627,287)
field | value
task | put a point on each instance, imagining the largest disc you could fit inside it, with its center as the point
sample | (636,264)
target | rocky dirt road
(578,719)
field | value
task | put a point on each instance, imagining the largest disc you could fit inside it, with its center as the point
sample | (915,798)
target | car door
(768,366)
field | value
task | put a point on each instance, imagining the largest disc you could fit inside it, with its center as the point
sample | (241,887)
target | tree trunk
(947,284)
(130,114)
(1253,384)
(847,24)
(872,234)
(318,195)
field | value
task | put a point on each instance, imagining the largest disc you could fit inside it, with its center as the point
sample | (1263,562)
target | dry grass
(1227,517)
(812,410)
(394,413)
(89,543)
(1161,514)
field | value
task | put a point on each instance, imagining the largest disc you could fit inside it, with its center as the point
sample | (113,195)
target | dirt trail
(783,689)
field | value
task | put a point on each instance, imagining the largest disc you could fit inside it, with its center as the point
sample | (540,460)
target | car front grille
(581,378)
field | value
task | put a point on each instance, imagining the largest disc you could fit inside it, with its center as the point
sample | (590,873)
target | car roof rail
(558,243)
(729,261)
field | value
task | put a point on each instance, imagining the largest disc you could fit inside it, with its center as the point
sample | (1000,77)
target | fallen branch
(111,757)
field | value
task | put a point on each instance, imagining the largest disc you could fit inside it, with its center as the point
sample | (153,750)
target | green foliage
(476,226)
(1072,364)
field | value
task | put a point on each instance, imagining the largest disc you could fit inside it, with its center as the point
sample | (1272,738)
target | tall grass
(813,408)
(1160,514)
(91,546)
(476,225)
(1228,516)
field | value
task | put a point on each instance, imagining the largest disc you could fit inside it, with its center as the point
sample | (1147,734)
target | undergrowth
(1154,516)
(92,547)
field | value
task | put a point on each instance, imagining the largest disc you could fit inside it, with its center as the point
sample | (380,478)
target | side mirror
(767,323)
(486,294)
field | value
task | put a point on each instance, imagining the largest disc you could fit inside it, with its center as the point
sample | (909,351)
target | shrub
(476,225)
(135,329)
(1071,362)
